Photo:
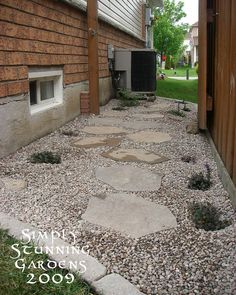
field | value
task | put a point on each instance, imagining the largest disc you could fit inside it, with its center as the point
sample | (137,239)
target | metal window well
(137,69)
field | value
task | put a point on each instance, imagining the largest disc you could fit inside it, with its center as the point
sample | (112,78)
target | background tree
(169,32)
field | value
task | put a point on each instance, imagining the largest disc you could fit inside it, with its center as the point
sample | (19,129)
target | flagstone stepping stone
(106,130)
(114,113)
(104,121)
(149,137)
(159,105)
(13,184)
(139,125)
(134,155)
(129,215)
(151,116)
(93,142)
(128,178)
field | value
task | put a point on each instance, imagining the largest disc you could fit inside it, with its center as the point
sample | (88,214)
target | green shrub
(206,216)
(128,99)
(199,181)
(129,103)
(45,157)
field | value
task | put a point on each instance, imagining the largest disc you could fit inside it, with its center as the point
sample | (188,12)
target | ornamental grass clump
(206,216)
(201,181)
(45,157)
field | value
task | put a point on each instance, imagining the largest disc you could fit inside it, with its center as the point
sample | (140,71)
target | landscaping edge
(96,273)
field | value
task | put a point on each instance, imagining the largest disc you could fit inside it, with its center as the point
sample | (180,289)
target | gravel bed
(180,261)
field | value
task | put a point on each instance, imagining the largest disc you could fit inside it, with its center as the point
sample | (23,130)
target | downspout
(93,65)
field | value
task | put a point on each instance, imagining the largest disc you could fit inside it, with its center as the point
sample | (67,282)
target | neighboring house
(217,82)
(194,43)
(187,50)
(44,61)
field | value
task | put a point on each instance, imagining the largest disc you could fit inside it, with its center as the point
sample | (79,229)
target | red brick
(14,88)
(3,89)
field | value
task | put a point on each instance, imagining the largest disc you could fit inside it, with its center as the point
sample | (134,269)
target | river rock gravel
(179,261)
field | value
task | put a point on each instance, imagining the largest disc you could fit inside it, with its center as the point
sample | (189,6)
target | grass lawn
(178,89)
(180,72)
(14,282)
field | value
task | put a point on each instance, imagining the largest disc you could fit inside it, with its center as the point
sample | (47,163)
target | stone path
(124,213)
(128,214)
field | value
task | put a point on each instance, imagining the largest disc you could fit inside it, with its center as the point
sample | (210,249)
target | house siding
(48,33)
(40,33)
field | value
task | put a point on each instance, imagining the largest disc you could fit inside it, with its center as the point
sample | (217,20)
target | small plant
(68,133)
(199,181)
(207,217)
(129,103)
(186,109)
(45,157)
(119,108)
(177,113)
(128,99)
(188,159)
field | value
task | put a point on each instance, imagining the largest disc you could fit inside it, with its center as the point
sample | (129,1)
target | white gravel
(179,261)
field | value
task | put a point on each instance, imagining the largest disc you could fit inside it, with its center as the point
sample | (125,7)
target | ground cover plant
(13,281)
(177,113)
(201,181)
(189,159)
(46,157)
(206,216)
(128,99)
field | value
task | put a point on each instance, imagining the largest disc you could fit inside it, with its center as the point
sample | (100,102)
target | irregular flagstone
(99,130)
(93,142)
(114,113)
(151,116)
(104,121)
(159,105)
(139,125)
(129,215)
(115,284)
(149,137)
(13,184)
(120,123)
(128,178)
(134,155)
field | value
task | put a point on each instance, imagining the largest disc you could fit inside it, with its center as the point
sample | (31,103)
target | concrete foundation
(19,127)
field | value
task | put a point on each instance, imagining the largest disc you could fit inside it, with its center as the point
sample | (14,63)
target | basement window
(46,88)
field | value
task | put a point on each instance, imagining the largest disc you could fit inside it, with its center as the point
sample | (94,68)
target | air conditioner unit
(136,69)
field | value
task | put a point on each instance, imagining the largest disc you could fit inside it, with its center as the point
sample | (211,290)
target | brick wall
(49,33)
